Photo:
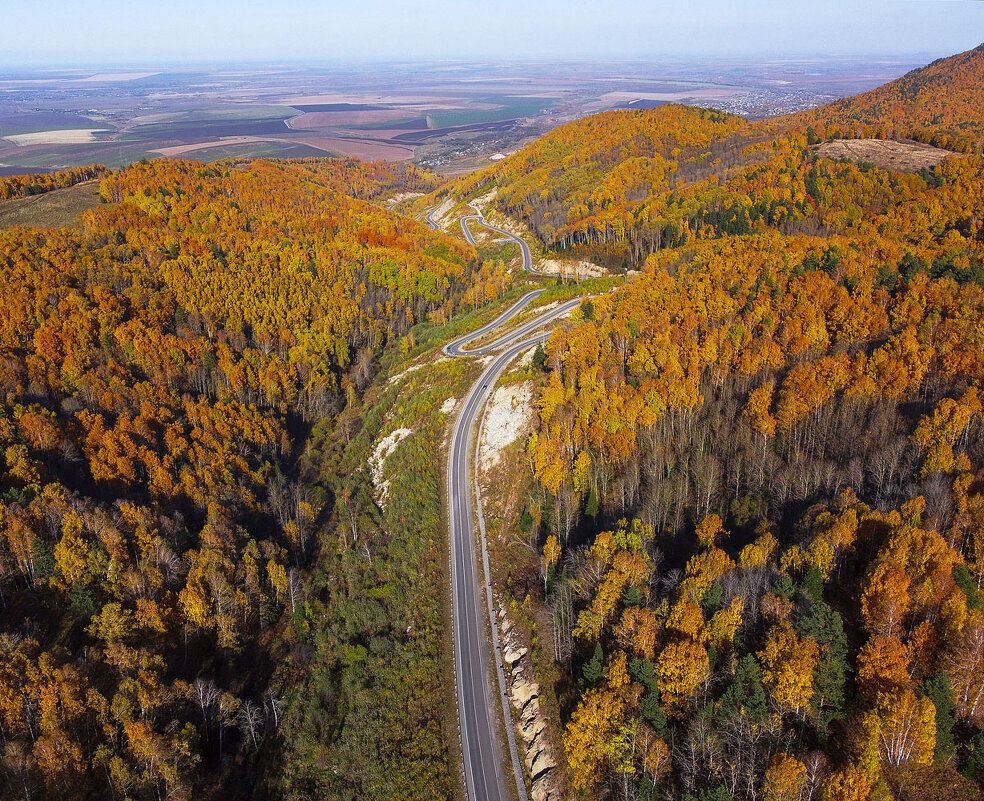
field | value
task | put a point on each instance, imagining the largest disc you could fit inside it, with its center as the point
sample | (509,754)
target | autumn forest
(747,558)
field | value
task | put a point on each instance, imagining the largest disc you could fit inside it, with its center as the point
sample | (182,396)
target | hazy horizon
(185,34)
(260,65)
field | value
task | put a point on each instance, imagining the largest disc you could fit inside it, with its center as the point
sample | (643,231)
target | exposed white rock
(540,761)
(509,415)
(531,711)
(532,731)
(541,792)
(412,368)
(523,692)
(480,203)
(440,215)
(377,459)
(538,752)
(577,270)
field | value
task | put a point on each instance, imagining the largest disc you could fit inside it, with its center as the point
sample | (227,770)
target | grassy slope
(58,209)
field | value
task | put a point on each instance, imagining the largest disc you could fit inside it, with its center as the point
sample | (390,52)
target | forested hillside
(617,186)
(160,369)
(758,465)
(37,184)
(608,181)
(939,104)
(751,559)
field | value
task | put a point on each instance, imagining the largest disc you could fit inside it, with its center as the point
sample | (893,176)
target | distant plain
(451,117)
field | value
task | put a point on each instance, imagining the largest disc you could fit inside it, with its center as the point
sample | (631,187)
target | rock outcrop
(539,758)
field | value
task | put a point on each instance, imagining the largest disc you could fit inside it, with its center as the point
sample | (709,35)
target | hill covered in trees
(939,104)
(160,370)
(617,186)
(758,465)
(756,508)
(16,186)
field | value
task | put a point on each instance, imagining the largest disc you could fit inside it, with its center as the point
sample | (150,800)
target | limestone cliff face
(540,752)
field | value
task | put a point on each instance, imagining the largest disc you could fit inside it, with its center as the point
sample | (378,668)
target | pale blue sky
(35,32)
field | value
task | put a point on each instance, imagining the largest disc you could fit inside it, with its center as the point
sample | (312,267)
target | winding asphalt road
(456,348)
(481,743)
(429,219)
(527,256)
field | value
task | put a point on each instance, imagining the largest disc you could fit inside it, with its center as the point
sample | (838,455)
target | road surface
(481,742)
(430,220)
(486,777)
(527,256)
(456,348)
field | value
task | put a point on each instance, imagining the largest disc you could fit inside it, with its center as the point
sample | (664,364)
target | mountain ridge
(941,104)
